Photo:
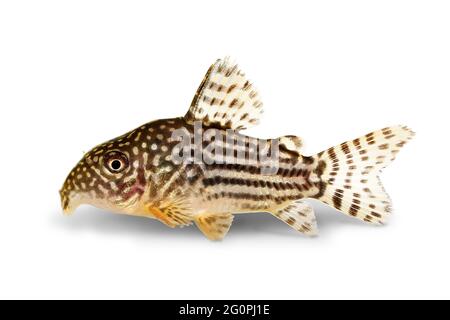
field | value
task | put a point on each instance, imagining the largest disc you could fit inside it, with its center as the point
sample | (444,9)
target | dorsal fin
(226,99)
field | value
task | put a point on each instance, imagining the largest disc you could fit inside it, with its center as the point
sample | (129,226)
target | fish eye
(116,161)
(115,164)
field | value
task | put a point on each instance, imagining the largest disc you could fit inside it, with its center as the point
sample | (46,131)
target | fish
(201,169)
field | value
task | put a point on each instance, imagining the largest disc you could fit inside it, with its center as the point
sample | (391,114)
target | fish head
(110,176)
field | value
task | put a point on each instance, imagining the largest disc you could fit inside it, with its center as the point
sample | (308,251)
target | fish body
(200,168)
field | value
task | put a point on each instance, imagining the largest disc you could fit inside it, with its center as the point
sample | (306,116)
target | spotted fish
(201,169)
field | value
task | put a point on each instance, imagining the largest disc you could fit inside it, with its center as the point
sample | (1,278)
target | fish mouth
(67,206)
(68,210)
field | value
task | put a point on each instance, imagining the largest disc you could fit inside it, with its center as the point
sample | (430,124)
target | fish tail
(349,173)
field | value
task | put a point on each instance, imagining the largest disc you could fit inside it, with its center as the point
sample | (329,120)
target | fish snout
(65,201)
(70,196)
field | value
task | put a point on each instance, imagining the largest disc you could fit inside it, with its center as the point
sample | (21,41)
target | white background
(76,73)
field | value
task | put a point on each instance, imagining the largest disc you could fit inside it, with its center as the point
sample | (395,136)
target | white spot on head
(144,145)
(102,189)
(154,146)
(151,129)
(159,136)
(145,158)
(113,186)
(92,182)
(97,171)
(149,138)
(156,160)
(135,151)
(136,164)
(163,126)
(138,136)
(95,159)
(164,149)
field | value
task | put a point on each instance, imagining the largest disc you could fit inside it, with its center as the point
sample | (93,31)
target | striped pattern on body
(240,185)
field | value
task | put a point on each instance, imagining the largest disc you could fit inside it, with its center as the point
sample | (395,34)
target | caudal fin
(350,171)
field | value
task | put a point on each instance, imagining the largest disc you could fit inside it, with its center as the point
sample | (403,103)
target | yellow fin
(171,215)
(214,226)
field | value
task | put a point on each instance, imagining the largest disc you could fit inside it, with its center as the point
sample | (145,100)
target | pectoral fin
(171,215)
(214,226)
